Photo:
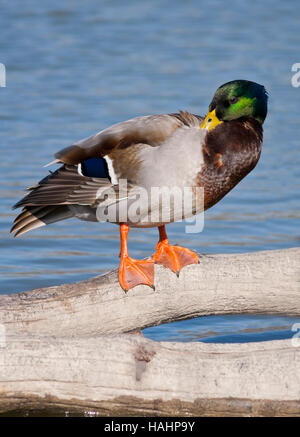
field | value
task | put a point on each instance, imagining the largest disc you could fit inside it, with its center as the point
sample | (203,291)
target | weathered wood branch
(261,282)
(130,375)
(56,356)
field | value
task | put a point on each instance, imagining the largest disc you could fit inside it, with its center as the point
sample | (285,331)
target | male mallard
(179,150)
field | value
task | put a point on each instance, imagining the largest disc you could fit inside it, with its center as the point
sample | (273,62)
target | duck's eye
(233,100)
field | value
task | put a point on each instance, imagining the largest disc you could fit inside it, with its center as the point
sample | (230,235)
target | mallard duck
(179,150)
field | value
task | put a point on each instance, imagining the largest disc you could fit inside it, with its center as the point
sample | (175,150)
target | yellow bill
(210,121)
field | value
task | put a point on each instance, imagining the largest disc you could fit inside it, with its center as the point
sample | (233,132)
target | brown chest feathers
(230,152)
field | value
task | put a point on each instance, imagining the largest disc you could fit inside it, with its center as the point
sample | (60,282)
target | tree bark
(65,347)
(130,375)
(261,282)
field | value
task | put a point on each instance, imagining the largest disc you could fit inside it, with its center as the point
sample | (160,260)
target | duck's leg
(133,272)
(172,257)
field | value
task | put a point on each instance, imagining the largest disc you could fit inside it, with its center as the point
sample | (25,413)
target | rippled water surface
(76,67)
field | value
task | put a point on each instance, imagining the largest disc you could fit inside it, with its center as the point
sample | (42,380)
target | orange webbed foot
(134,272)
(173,257)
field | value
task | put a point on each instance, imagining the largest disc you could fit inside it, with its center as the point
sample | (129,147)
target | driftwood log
(67,349)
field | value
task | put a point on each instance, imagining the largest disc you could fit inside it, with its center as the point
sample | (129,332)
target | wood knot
(142,355)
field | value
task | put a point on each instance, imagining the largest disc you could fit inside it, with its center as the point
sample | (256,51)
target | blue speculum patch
(95,168)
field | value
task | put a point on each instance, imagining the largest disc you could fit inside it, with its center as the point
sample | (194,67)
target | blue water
(76,67)
(226,329)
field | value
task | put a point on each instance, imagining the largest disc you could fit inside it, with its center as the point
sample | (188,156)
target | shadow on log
(66,347)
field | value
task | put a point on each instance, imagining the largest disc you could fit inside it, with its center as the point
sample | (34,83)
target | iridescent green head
(236,99)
